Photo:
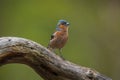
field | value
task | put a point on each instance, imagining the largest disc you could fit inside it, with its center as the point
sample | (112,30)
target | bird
(59,37)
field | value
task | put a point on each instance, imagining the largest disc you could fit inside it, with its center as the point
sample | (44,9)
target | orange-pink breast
(59,40)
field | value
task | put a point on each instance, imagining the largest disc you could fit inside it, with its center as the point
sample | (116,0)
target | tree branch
(47,64)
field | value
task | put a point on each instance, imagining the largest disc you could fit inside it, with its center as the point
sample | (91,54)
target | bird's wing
(52,36)
(51,39)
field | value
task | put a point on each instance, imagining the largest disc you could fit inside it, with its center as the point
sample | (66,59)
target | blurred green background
(94,33)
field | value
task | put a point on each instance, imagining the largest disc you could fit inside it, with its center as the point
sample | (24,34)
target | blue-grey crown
(63,22)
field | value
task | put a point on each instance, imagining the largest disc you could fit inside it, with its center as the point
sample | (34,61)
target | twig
(47,64)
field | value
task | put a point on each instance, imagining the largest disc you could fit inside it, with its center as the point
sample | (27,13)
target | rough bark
(46,63)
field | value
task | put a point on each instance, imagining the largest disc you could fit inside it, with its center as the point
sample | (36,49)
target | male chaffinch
(60,36)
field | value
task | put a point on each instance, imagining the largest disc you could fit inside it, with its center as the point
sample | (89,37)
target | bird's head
(62,25)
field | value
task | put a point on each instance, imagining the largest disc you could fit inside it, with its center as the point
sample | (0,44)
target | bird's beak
(67,24)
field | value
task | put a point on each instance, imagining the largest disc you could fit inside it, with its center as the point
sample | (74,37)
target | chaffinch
(59,37)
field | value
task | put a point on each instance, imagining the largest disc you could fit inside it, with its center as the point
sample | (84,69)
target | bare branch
(47,64)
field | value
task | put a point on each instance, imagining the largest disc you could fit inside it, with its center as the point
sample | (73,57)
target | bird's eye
(63,23)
